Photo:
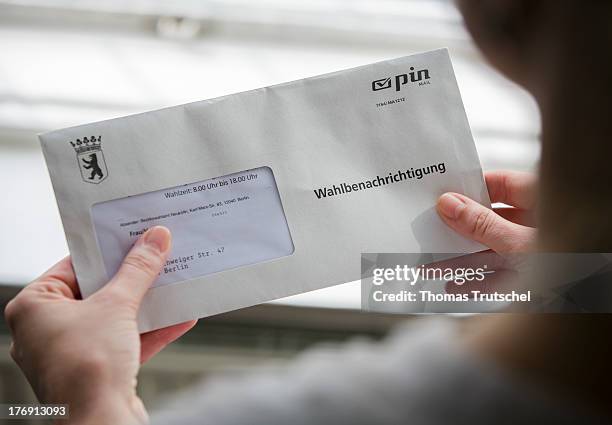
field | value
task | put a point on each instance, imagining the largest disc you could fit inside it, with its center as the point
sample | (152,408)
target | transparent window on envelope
(217,224)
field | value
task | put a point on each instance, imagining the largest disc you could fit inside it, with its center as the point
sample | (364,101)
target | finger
(59,279)
(518,216)
(512,188)
(476,222)
(142,265)
(153,342)
(502,281)
(488,258)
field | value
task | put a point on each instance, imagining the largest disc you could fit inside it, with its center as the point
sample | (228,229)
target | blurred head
(528,40)
(559,50)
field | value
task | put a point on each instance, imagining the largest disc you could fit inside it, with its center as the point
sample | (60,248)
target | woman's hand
(86,353)
(507,231)
(504,230)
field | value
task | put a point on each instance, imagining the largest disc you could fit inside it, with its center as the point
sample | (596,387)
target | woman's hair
(560,52)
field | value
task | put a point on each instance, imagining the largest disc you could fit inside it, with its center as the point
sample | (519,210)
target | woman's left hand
(87,353)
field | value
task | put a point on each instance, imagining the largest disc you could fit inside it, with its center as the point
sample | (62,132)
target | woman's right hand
(507,231)
(504,230)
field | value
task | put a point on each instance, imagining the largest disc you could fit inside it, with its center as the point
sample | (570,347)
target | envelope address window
(216,224)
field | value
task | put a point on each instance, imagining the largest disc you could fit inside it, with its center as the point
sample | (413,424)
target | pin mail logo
(398,81)
(90,159)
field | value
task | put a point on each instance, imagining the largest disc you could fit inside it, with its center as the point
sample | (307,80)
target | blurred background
(68,62)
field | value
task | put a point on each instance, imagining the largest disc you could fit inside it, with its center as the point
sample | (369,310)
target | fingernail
(159,237)
(450,205)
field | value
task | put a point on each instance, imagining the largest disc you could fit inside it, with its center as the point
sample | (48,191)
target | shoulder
(421,372)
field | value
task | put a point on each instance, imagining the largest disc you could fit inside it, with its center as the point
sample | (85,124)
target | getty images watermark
(486,282)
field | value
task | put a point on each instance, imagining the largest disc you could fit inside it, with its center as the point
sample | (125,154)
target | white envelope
(270,192)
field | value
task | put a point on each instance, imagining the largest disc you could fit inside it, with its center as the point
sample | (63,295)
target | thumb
(476,222)
(141,266)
